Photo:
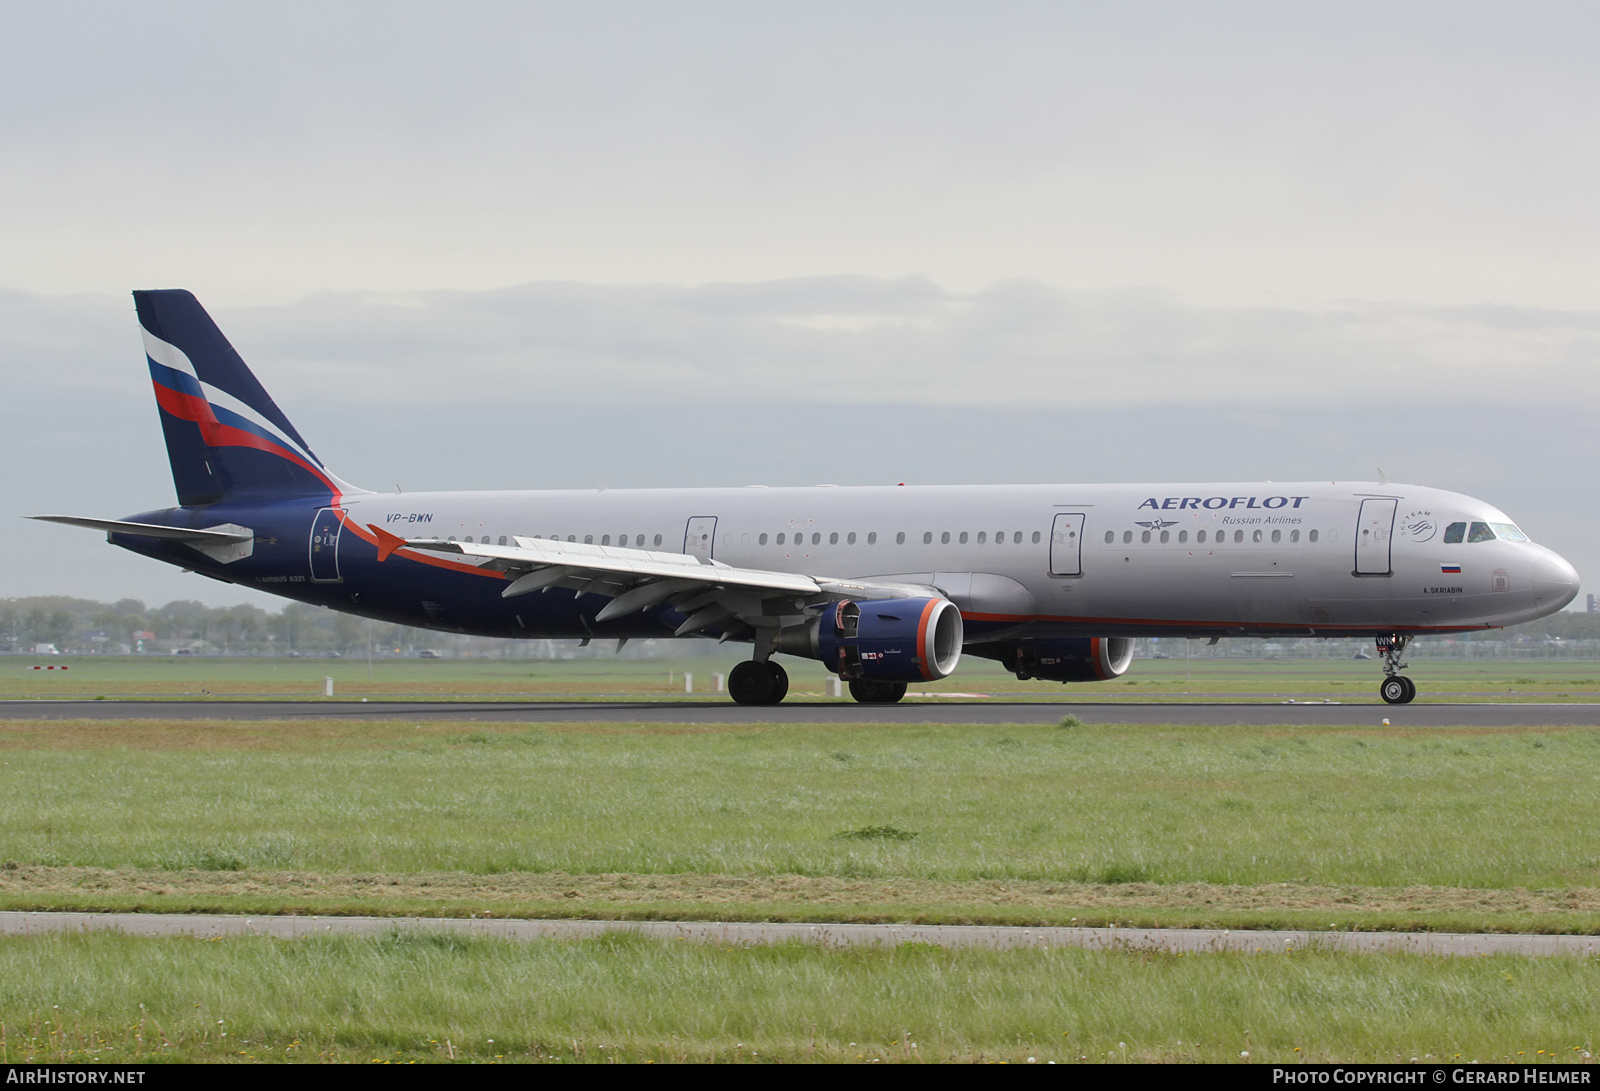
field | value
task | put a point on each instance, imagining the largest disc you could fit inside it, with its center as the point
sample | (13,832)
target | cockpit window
(1480,532)
(1454,533)
(1508,532)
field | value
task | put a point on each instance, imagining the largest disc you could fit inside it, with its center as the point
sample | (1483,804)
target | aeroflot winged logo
(1156,524)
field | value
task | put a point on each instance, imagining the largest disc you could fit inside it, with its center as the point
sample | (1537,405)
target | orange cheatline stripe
(371,537)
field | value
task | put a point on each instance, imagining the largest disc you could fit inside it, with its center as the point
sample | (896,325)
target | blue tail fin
(226,438)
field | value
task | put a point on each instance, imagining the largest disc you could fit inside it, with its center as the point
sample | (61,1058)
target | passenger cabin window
(1311,537)
(1127,536)
(1183,536)
(1454,533)
(658,539)
(1036,538)
(1111,536)
(900,539)
(927,537)
(944,539)
(872,537)
(1145,537)
(1200,536)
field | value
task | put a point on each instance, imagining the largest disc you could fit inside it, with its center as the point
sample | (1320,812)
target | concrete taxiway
(928,710)
(1197,940)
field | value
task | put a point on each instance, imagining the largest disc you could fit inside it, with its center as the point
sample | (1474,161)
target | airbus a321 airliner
(887,586)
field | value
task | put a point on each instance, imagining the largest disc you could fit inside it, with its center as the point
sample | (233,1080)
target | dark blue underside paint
(398,590)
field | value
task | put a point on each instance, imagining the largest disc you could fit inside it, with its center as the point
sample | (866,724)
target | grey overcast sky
(564,245)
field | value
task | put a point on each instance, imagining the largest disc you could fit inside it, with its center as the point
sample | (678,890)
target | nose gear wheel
(1396,689)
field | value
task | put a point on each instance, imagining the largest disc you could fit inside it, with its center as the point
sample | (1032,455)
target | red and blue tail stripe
(226,438)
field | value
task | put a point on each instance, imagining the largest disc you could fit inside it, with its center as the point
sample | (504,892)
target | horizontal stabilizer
(154,530)
(224,544)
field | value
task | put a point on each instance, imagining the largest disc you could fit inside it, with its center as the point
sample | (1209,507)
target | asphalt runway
(1196,940)
(911,711)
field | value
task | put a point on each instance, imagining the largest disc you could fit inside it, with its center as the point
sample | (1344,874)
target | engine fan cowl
(1073,659)
(882,640)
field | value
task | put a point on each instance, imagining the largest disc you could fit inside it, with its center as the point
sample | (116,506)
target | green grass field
(1251,826)
(410,997)
(1320,828)
(599,679)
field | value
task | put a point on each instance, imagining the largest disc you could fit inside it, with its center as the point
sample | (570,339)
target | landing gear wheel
(877,693)
(1398,690)
(752,683)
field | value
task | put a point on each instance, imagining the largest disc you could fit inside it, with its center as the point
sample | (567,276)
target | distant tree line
(130,626)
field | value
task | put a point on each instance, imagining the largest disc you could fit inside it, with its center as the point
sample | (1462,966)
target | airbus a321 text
(886,586)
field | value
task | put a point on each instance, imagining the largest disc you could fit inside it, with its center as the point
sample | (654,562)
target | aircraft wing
(713,595)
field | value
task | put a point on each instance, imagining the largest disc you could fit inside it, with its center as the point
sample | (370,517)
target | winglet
(387,543)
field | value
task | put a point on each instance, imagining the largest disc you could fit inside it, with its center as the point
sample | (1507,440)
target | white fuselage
(1203,559)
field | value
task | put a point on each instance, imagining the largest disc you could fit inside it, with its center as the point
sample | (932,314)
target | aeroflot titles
(1179,503)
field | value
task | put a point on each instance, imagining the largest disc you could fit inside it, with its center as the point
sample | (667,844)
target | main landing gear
(877,693)
(1396,689)
(766,683)
(753,683)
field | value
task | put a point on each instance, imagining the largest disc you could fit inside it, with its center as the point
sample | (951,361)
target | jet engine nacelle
(1071,659)
(882,640)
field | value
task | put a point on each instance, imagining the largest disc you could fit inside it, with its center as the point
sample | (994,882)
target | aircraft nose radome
(1555,582)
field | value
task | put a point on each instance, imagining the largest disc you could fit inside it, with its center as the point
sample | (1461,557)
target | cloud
(876,341)
(822,341)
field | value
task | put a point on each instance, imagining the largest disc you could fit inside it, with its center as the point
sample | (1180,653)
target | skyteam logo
(1418,526)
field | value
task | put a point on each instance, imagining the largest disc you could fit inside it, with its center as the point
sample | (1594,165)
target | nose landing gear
(1396,689)
(758,683)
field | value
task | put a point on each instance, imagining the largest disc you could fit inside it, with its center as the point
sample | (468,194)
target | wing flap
(585,561)
(710,594)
